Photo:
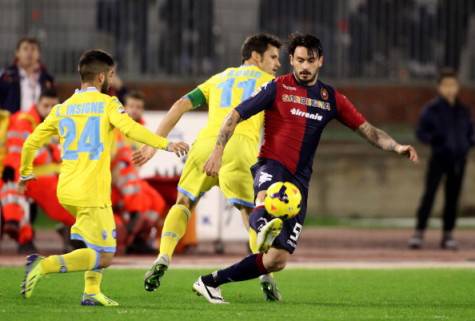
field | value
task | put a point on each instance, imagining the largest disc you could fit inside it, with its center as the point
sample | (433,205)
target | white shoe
(267,234)
(213,295)
(269,288)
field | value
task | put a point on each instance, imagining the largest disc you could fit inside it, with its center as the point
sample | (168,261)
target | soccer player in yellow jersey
(85,124)
(222,92)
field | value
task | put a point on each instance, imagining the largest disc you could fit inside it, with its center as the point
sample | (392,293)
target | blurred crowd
(27,94)
(383,37)
(364,39)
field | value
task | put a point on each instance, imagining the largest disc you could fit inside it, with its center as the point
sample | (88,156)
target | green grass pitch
(309,294)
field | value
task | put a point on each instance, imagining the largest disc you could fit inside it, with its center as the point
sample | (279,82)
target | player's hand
(22,184)
(143,155)
(180,148)
(408,151)
(213,164)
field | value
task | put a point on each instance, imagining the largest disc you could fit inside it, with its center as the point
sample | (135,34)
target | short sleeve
(261,100)
(206,87)
(348,115)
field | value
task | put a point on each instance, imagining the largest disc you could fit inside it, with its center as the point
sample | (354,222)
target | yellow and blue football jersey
(228,89)
(85,124)
(222,92)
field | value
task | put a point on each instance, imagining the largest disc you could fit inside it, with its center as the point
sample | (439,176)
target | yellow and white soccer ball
(283,200)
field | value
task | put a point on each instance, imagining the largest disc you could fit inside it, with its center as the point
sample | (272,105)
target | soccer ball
(283,200)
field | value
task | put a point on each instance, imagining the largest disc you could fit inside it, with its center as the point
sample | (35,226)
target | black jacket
(448,129)
(10,96)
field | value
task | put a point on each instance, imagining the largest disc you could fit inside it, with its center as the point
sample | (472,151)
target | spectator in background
(446,126)
(127,22)
(117,88)
(139,209)
(187,41)
(22,82)
(42,190)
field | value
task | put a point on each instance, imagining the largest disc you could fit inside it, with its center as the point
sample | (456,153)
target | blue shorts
(265,173)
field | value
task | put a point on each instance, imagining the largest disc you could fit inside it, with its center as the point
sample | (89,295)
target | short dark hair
(446,72)
(49,93)
(30,40)
(93,62)
(258,43)
(136,94)
(308,41)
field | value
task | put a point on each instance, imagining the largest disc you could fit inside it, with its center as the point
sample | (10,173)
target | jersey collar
(88,89)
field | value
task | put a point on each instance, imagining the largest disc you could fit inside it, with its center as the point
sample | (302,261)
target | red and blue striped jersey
(295,116)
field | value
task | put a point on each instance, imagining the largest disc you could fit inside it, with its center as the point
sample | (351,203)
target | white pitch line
(327,265)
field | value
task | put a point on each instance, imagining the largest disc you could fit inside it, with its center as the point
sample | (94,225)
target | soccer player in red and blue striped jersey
(297,107)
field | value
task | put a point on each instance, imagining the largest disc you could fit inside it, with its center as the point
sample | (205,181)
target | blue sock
(259,217)
(250,267)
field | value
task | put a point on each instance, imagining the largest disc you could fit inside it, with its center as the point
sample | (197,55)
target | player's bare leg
(275,259)
(174,228)
(245,212)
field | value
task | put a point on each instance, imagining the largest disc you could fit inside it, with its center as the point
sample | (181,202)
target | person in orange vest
(4,121)
(42,191)
(138,206)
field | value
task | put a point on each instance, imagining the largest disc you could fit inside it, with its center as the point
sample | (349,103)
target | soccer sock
(253,244)
(92,281)
(78,260)
(258,218)
(250,267)
(253,241)
(173,229)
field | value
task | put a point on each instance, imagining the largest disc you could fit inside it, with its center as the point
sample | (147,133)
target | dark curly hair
(308,41)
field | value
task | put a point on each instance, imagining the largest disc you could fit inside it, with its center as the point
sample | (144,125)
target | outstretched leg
(249,268)
(173,230)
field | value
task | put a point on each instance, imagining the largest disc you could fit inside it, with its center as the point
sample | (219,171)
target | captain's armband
(196,97)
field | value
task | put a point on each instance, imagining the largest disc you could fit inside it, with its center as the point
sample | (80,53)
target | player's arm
(39,137)
(180,107)
(248,108)
(381,139)
(349,116)
(190,101)
(139,133)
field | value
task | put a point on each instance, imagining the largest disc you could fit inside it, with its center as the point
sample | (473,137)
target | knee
(275,260)
(106,259)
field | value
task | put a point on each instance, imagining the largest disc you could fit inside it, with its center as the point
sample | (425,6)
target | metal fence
(378,40)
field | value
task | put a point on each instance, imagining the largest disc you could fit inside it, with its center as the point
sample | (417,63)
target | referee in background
(446,126)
